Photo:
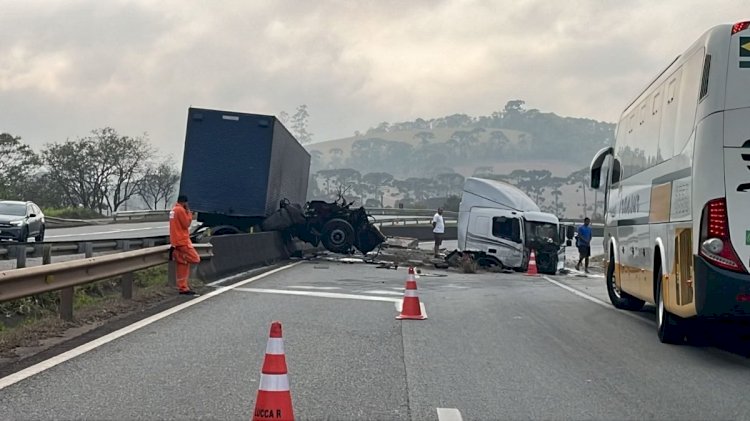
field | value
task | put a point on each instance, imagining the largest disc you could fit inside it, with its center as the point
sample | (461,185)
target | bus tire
(670,328)
(620,299)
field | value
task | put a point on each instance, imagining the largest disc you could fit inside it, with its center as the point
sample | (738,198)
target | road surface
(571,253)
(495,346)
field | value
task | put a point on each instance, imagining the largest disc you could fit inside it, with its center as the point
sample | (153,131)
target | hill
(413,161)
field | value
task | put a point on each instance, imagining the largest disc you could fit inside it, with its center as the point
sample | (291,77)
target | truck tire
(620,299)
(225,230)
(669,328)
(337,236)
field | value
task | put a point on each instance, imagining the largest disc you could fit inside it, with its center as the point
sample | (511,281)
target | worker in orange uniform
(183,252)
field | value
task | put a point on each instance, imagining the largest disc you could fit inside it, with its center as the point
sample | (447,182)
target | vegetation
(99,173)
(25,320)
(410,163)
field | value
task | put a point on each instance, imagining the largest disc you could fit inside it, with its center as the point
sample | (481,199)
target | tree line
(371,189)
(101,172)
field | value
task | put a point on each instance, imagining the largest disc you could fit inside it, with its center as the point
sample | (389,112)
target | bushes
(73,213)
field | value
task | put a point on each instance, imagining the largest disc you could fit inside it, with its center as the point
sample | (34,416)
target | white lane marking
(588,275)
(595,300)
(320,294)
(85,234)
(82,349)
(310,287)
(449,414)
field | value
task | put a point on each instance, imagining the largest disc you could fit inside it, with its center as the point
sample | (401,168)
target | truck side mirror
(570,232)
(568,243)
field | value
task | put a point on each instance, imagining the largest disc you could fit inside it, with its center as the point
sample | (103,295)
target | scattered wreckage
(336,225)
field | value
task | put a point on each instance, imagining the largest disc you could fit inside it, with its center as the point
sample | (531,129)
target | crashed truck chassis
(546,256)
(334,224)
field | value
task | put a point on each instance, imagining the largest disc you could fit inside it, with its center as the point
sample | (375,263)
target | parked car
(20,221)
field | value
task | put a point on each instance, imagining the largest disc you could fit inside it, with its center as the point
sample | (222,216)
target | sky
(68,67)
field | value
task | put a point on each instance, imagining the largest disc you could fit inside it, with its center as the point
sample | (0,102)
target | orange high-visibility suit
(179,236)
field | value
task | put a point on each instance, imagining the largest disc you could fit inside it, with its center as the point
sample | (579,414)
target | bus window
(688,100)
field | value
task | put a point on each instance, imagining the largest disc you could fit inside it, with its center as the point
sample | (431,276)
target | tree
(159,183)
(580,179)
(17,164)
(99,171)
(555,184)
(316,160)
(375,181)
(80,169)
(127,159)
(284,117)
(452,203)
(299,125)
(425,137)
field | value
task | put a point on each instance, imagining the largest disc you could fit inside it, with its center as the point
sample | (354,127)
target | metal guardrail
(410,221)
(23,250)
(20,283)
(140,214)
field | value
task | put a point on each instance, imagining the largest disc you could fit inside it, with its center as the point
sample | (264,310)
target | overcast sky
(67,67)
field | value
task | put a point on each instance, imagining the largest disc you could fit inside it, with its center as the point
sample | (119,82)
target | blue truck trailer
(237,168)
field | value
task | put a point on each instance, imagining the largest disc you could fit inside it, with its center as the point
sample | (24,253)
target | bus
(677,189)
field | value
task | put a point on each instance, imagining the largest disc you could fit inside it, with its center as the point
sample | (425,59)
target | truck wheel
(670,328)
(338,236)
(620,299)
(224,230)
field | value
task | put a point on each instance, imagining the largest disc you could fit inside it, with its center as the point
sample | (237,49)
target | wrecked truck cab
(339,228)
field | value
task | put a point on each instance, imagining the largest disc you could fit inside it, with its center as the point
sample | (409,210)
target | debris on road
(401,242)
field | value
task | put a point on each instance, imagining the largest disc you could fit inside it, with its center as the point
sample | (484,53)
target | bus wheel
(670,328)
(620,299)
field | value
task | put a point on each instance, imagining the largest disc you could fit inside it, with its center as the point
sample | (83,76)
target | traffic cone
(532,271)
(410,308)
(274,401)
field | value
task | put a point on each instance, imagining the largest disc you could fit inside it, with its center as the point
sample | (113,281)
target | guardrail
(141,214)
(63,277)
(21,251)
(408,220)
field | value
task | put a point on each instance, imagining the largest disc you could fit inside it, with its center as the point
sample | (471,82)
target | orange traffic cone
(274,401)
(532,271)
(410,308)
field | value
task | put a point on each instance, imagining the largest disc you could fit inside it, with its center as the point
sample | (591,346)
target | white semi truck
(499,225)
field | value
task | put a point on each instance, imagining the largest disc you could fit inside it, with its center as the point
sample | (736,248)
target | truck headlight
(16,223)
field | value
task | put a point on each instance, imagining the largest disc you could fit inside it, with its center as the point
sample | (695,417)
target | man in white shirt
(438,230)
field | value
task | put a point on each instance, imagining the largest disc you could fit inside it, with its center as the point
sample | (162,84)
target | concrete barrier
(239,252)
(421,233)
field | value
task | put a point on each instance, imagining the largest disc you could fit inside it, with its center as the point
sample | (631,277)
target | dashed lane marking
(449,414)
(320,294)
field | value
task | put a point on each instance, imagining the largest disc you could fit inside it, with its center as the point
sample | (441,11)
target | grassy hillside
(411,162)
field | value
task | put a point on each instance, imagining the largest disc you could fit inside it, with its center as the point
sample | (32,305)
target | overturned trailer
(245,171)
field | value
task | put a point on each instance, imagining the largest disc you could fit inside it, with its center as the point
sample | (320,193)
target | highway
(131,230)
(495,346)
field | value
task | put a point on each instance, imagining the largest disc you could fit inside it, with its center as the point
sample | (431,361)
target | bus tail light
(740,26)
(715,244)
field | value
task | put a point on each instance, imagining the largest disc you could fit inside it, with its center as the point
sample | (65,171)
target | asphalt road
(104,232)
(127,230)
(495,346)
(571,253)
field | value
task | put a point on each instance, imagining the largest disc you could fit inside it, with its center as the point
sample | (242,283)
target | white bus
(677,188)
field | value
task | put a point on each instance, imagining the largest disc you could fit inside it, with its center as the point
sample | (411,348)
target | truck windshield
(541,232)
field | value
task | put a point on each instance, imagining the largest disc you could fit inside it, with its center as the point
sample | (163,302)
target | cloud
(67,67)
